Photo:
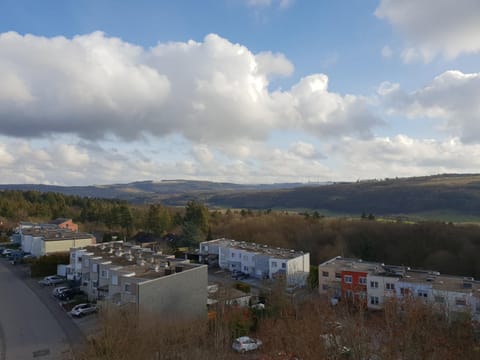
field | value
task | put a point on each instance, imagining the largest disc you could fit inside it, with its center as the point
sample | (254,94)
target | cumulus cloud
(215,91)
(453,98)
(433,27)
(402,155)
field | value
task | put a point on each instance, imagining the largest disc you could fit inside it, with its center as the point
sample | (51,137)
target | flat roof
(57,234)
(144,262)
(276,252)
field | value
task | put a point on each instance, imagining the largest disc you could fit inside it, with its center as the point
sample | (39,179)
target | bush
(242,287)
(47,265)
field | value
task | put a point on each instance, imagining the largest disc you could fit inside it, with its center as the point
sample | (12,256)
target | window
(79,259)
(348,293)
(95,267)
(362,280)
(205,248)
(338,275)
(374,284)
(374,300)
(94,283)
(390,286)
(347,279)
(325,273)
(460,301)
(284,265)
(439,299)
(422,293)
(325,287)
(233,255)
(114,279)
(405,291)
(86,262)
(245,268)
(245,257)
(274,264)
(128,287)
(104,274)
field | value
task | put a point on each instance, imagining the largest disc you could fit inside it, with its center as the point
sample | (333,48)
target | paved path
(29,330)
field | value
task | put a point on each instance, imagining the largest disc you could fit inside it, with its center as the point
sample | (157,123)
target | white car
(51,280)
(58,290)
(246,343)
(83,309)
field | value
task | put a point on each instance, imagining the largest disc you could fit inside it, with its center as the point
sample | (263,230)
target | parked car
(246,343)
(7,252)
(69,293)
(58,290)
(83,309)
(51,280)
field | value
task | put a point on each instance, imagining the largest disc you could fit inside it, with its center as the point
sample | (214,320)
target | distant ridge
(457,194)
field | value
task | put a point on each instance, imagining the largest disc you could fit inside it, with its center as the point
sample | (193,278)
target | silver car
(51,280)
(83,309)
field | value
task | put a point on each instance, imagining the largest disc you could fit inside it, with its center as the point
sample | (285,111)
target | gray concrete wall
(182,295)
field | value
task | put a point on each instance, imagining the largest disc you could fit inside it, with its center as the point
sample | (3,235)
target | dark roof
(59,221)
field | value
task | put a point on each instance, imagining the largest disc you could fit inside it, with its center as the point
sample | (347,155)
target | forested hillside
(457,194)
(440,246)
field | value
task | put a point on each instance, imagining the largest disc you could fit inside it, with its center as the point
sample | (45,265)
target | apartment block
(374,284)
(256,260)
(129,275)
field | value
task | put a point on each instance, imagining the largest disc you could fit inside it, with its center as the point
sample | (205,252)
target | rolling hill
(457,194)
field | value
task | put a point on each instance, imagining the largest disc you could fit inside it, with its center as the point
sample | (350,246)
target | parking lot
(76,330)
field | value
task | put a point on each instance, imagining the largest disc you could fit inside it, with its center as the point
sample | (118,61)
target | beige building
(128,275)
(41,241)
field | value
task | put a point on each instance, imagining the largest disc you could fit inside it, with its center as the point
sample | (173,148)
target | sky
(245,91)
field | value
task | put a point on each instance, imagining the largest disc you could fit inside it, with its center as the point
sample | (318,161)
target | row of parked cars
(66,293)
(15,255)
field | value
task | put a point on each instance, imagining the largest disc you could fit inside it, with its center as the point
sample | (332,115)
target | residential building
(65,223)
(256,260)
(129,275)
(374,284)
(345,278)
(40,241)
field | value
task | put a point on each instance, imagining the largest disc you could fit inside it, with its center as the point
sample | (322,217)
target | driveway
(29,327)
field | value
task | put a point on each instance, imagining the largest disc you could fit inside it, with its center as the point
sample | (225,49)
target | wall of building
(53,246)
(297,270)
(379,290)
(183,294)
(328,282)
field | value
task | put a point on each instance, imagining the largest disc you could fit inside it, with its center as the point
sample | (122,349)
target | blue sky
(98,92)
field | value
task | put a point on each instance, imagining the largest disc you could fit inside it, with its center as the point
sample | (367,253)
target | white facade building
(256,260)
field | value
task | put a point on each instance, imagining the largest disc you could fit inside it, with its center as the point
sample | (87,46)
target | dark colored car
(69,293)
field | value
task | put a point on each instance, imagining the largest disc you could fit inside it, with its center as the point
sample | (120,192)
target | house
(256,260)
(65,223)
(129,275)
(345,278)
(40,241)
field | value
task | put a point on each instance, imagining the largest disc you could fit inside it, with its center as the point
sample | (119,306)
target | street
(31,327)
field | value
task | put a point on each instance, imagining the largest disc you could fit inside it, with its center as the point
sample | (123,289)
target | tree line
(447,248)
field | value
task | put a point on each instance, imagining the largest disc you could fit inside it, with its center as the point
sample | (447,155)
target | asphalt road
(32,326)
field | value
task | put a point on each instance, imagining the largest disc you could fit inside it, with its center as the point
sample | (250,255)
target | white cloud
(387,52)
(5,157)
(214,91)
(432,27)
(452,97)
(273,64)
(401,155)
